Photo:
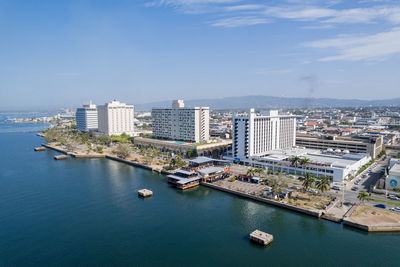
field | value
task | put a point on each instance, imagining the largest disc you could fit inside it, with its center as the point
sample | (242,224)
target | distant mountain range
(266,102)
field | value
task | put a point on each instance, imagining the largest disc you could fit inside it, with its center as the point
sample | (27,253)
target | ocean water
(86,212)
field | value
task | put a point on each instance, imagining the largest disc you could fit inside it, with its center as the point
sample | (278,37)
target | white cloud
(239,21)
(378,46)
(317,12)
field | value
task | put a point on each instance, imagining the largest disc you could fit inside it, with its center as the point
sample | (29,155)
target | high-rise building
(180,123)
(86,118)
(116,118)
(255,134)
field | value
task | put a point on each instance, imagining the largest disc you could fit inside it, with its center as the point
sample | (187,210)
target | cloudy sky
(64,53)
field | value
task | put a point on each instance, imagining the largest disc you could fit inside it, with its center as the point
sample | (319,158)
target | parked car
(300,178)
(335,187)
(396,209)
(393,197)
(354,188)
(296,187)
(356,183)
(313,191)
(380,205)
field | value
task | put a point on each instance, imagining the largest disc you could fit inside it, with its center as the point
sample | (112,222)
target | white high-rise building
(255,134)
(116,118)
(180,123)
(86,118)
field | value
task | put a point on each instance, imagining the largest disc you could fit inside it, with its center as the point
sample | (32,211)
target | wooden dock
(145,193)
(59,157)
(261,238)
(39,148)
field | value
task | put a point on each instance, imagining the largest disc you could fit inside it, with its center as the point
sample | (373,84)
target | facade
(116,118)
(336,166)
(393,179)
(86,118)
(254,134)
(180,123)
(372,145)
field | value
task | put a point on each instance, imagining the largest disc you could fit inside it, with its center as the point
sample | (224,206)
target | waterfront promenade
(330,210)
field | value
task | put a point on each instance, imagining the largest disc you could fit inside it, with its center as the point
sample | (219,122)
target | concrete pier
(145,193)
(261,238)
(59,157)
(39,148)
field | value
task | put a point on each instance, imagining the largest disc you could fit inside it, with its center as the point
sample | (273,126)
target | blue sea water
(86,212)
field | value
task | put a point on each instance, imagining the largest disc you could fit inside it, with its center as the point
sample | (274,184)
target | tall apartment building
(254,134)
(372,145)
(180,123)
(86,118)
(116,118)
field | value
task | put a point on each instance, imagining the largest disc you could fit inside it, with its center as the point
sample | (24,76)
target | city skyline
(68,52)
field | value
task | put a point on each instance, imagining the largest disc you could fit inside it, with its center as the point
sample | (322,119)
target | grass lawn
(385,202)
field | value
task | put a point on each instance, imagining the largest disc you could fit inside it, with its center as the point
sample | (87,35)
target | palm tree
(250,172)
(260,171)
(304,162)
(323,183)
(362,196)
(295,160)
(308,180)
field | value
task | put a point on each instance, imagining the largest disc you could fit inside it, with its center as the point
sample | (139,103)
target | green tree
(308,180)
(362,196)
(99,149)
(192,153)
(260,171)
(123,151)
(250,172)
(323,183)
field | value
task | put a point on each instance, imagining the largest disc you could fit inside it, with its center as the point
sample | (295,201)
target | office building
(335,166)
(255,134)
(180,123)
(372,145)
(116,118)
(86,118)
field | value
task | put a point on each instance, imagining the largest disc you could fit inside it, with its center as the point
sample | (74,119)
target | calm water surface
(86,212)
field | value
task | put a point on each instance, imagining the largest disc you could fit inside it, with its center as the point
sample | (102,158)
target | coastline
(345,219)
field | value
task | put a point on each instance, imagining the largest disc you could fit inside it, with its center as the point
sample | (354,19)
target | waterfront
(86,212)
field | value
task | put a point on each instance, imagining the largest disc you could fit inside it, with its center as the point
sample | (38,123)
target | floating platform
(39,148)
(145,193)
(59,157)
(261,238)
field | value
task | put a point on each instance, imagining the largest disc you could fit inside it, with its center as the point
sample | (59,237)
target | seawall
(264,200)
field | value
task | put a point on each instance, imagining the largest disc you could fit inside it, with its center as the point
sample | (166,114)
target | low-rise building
(393,179)
(334,165)
(371,144)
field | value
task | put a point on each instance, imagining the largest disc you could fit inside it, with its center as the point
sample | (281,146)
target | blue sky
(63,53)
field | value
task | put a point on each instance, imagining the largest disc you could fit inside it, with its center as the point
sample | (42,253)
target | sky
(65,53)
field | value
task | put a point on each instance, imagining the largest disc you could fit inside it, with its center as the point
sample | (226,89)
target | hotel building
(254,134)
(180,123)
(116,118)
(86,118)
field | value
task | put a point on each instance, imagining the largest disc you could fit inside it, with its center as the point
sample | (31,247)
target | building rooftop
(211,170)
(315,156)
(395,170)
